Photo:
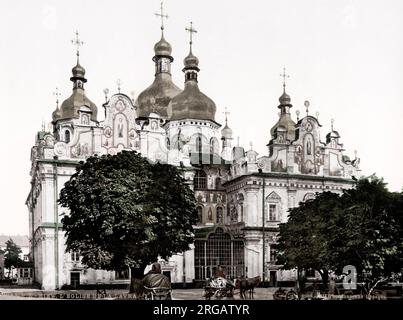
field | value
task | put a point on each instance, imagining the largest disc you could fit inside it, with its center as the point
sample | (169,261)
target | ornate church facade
(241,197)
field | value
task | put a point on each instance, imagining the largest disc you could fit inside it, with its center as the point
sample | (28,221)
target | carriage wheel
(219,294)
(207,294)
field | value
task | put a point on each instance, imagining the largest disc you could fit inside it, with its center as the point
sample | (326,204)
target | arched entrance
(219,249)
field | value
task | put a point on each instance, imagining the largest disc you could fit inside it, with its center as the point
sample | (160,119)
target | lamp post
(263,233)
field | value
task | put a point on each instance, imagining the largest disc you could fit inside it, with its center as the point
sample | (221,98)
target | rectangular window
(75,257)
(272,212)
(273,255)
(26,273)
(241,209)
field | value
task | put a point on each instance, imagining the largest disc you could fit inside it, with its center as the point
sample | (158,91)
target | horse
(152,286)
(247,284)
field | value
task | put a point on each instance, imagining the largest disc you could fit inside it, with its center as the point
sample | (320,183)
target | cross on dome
(57,94)
(191,30)
(162,15)
(77,43)
(284,76)
(226,113)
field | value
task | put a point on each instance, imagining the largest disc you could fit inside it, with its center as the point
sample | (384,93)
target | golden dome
(71,106)
(162,47)
(157,96)
(191,103)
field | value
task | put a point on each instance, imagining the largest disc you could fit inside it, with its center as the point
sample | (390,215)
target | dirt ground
(177,294)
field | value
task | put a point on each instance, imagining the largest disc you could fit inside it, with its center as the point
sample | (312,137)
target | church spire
(191,62)
(285,99)
(162,48)
(226,132)
(56,113)
(284,76)
(71,106)
(284,120)
(78,71)
(156,98)
(77,43)
(191,30)
(162,16)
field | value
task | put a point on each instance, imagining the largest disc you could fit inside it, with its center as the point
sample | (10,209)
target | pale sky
(344,56)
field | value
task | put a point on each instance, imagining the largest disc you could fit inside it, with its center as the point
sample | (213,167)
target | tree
(304,239)
(370,232)
(11,256)
(361,227)
(126,212)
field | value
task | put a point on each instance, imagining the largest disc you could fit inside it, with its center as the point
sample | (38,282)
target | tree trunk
(325,278)
(137,275)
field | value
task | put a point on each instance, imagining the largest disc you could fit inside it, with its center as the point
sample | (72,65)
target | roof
(191,103)
(157,96)
(72,105)
(207,159)
(21,241)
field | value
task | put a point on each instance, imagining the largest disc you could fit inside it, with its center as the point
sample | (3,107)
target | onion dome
(285,120)
(78,73)
(191,61)
(191,103)
(333,134)
(78,99)
(226,132)
(163,48)
(156,98)
(56,114)
(285,100)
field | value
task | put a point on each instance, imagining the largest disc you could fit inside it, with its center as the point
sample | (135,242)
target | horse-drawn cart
(218,288)
(156,286)
(158,293)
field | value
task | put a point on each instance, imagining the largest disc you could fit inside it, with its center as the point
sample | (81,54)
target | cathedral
(241,196)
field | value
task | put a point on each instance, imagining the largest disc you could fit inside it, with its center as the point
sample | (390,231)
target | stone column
(251,213)
(253,257)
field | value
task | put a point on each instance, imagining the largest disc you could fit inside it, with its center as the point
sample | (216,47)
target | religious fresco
(119,127)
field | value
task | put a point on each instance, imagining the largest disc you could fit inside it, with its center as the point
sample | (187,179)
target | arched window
(240,204)
(274,207)
(219,250)
(67,136)
(199,144)
(200,180)
(213,146)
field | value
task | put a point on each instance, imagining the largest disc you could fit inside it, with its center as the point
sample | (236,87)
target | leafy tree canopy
(125,211)
(11,256)
(361,227)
